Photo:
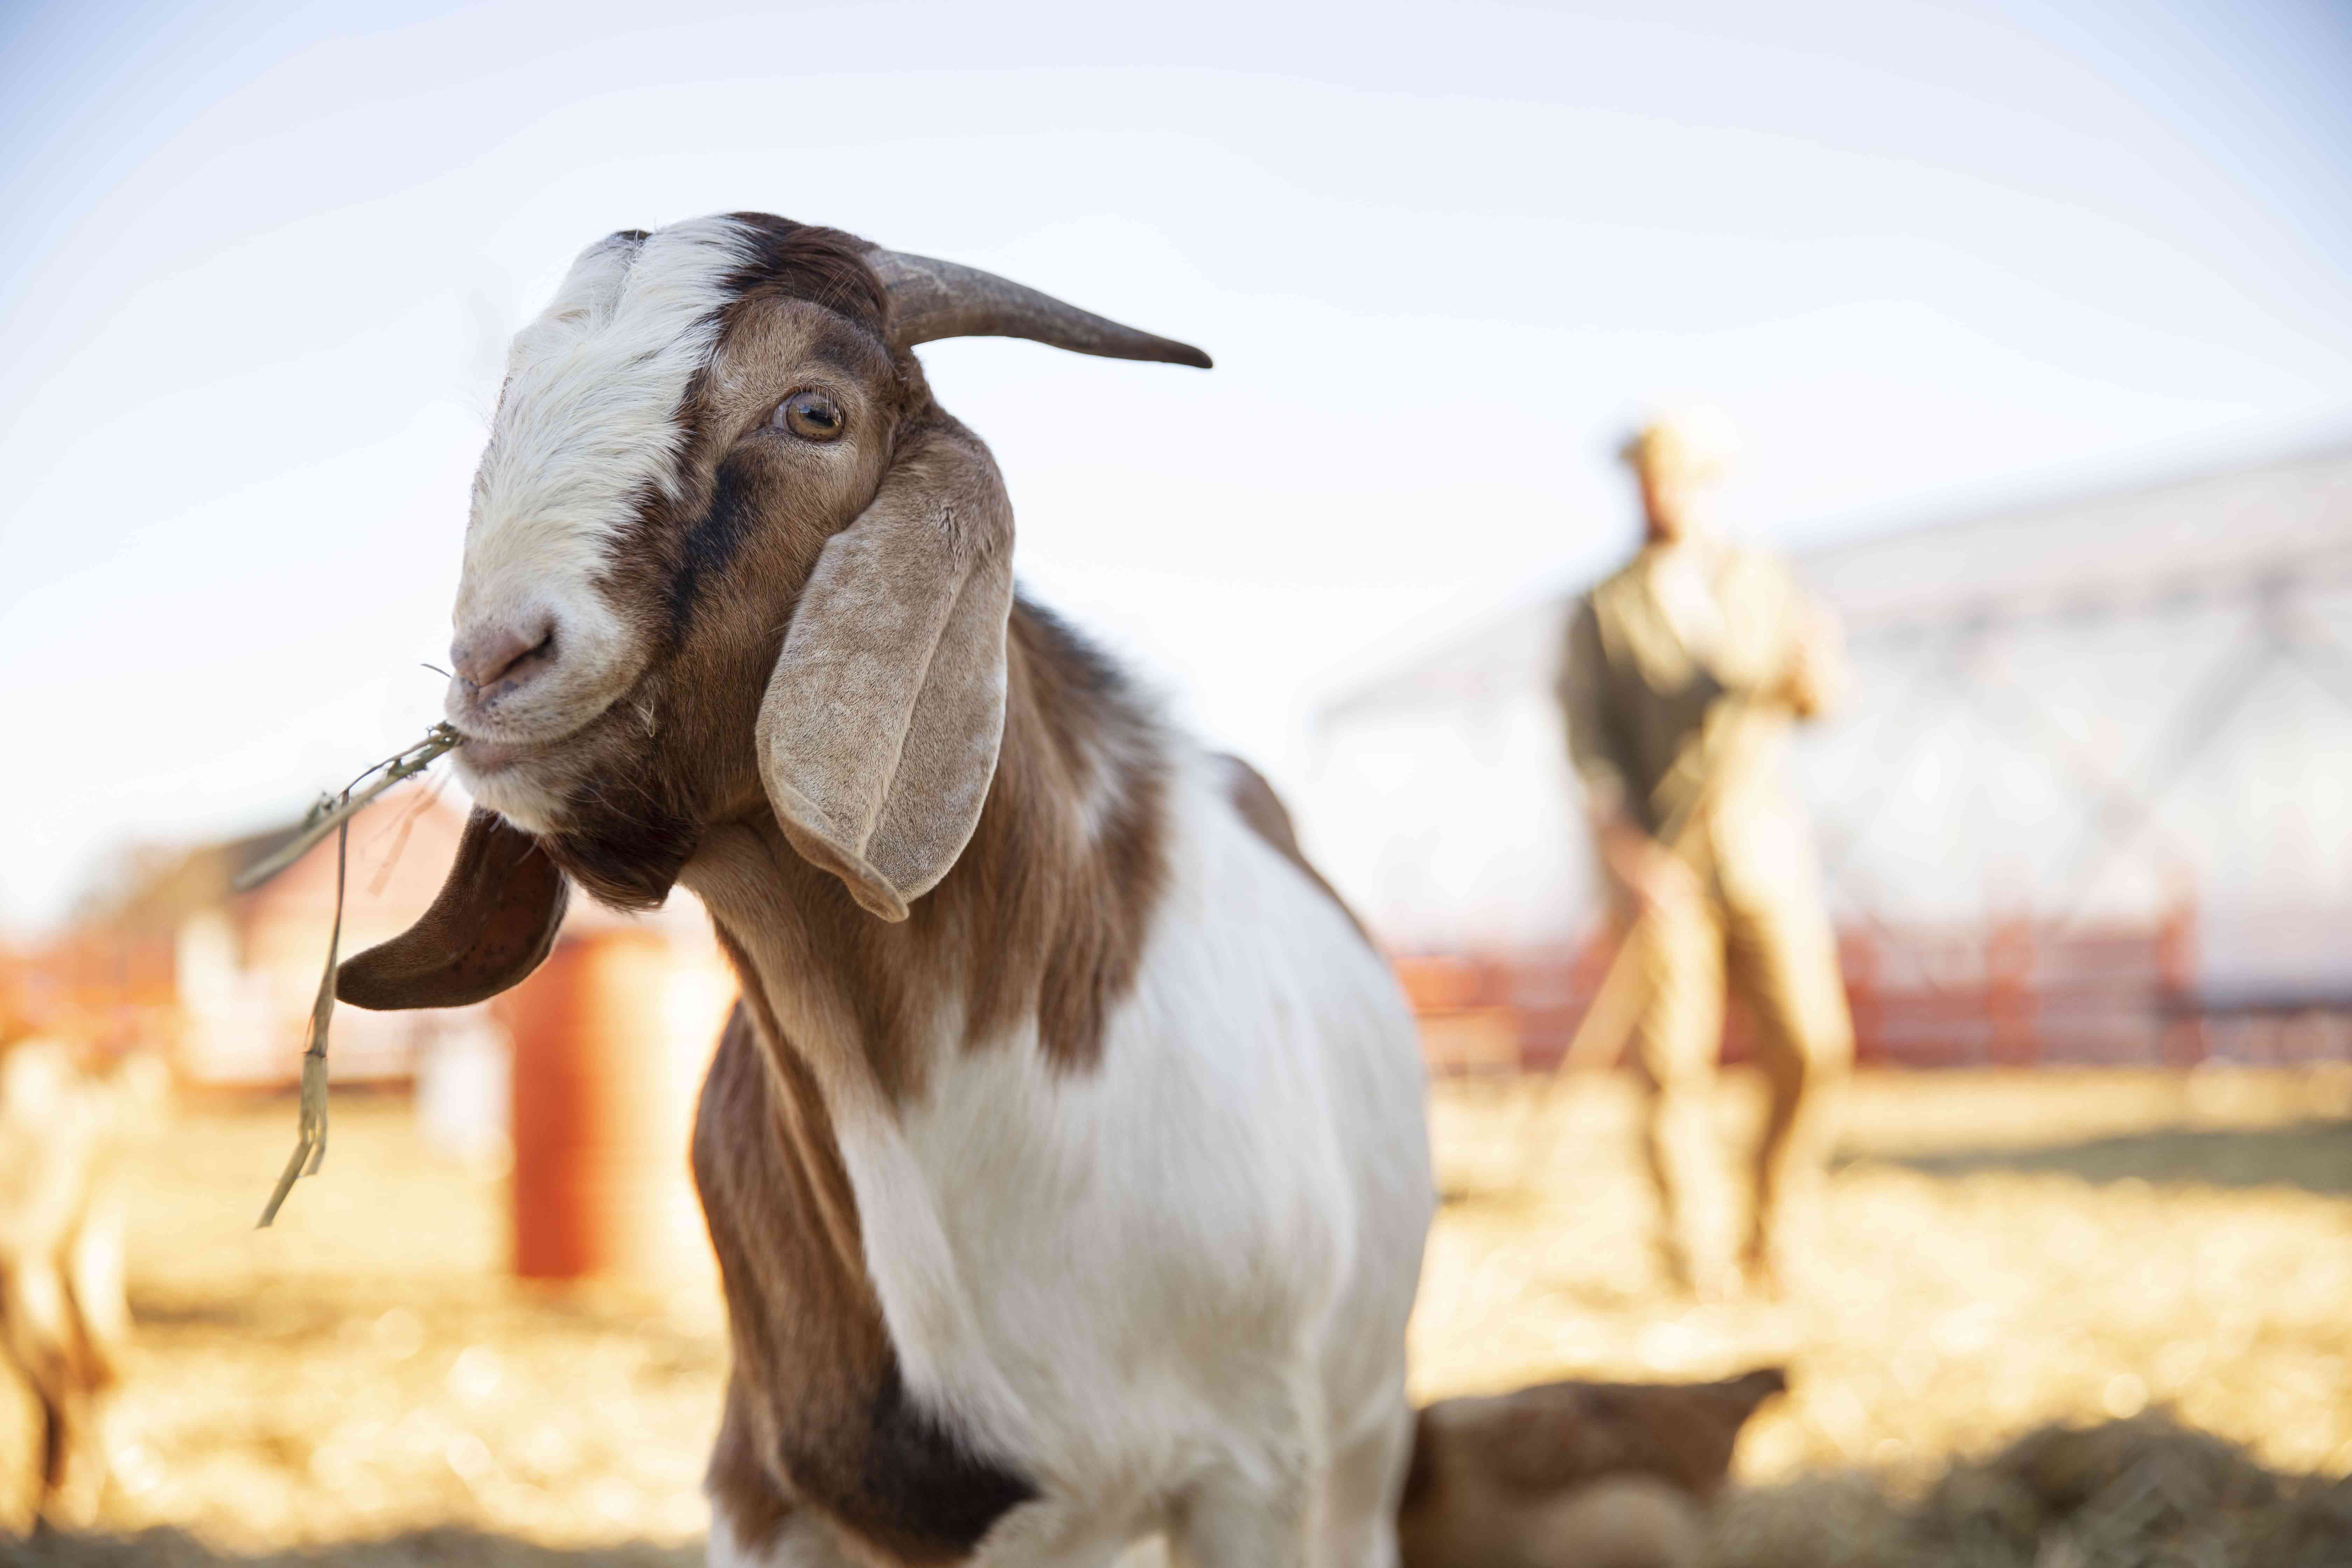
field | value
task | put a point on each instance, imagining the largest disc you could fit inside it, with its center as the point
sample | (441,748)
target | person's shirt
(1654,649)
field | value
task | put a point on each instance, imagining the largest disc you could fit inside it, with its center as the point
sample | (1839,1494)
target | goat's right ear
(878,735)
(494,919)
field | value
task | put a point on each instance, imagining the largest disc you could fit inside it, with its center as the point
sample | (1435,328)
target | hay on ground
(2122,1494)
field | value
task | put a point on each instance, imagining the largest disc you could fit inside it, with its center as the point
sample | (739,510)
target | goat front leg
(1257,1506)
(1234,1518)
(800,1540)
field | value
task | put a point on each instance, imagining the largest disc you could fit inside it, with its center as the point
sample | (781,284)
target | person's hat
(1693,444)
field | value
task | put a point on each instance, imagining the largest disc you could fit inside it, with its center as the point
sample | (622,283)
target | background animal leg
(45,1342)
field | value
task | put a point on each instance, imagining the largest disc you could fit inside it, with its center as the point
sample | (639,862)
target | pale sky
(260,262)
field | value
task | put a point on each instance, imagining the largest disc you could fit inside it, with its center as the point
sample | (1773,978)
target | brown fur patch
(1064,880)
(816,1412)
(1045,915)
(807,261)
(744,1487)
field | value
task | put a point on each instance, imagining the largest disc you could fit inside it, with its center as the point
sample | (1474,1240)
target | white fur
(587,424)
(529,803)
(1175,1286)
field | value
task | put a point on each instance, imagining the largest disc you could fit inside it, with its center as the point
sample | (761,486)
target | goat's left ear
(879,732)
(494,919)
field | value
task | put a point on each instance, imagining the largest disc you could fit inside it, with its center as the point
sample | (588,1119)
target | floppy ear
(879,730)
(493,920)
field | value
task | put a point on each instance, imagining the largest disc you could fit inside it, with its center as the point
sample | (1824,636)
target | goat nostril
(496,654)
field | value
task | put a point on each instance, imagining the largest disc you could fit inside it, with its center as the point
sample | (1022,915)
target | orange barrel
(611,1037)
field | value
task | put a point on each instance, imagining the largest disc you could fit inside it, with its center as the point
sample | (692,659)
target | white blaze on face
(586,427)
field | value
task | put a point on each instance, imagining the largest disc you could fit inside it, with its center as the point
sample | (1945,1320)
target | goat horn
(930,299)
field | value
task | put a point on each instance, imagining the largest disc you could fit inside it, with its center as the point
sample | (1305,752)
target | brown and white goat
(63,1317)
(1066,1160)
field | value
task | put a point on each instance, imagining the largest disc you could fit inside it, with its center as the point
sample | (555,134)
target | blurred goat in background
(1574,1475)
(63,1315)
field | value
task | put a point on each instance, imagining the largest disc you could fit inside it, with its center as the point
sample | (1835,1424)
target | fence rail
(2021,991)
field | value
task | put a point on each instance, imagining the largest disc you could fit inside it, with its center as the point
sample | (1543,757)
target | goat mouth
(484,757)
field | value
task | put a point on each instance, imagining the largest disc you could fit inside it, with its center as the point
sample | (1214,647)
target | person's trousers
(1779,955)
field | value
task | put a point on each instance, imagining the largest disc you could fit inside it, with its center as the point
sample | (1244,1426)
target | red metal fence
(2010,993)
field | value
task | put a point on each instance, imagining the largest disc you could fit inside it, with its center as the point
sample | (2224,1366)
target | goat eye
(810,415)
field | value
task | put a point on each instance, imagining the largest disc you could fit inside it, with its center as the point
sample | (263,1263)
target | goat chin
(513,791)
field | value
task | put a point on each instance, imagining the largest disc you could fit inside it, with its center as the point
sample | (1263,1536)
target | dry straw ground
(2000,1252)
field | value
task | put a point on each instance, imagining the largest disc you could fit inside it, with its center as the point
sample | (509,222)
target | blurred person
(1681,674)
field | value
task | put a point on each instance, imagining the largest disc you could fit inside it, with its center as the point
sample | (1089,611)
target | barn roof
(2214,534)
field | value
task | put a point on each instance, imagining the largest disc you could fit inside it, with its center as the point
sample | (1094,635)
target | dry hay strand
(2142,1493)
(332,814)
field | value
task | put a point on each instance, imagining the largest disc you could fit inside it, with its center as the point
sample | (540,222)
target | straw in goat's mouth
(332,814)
